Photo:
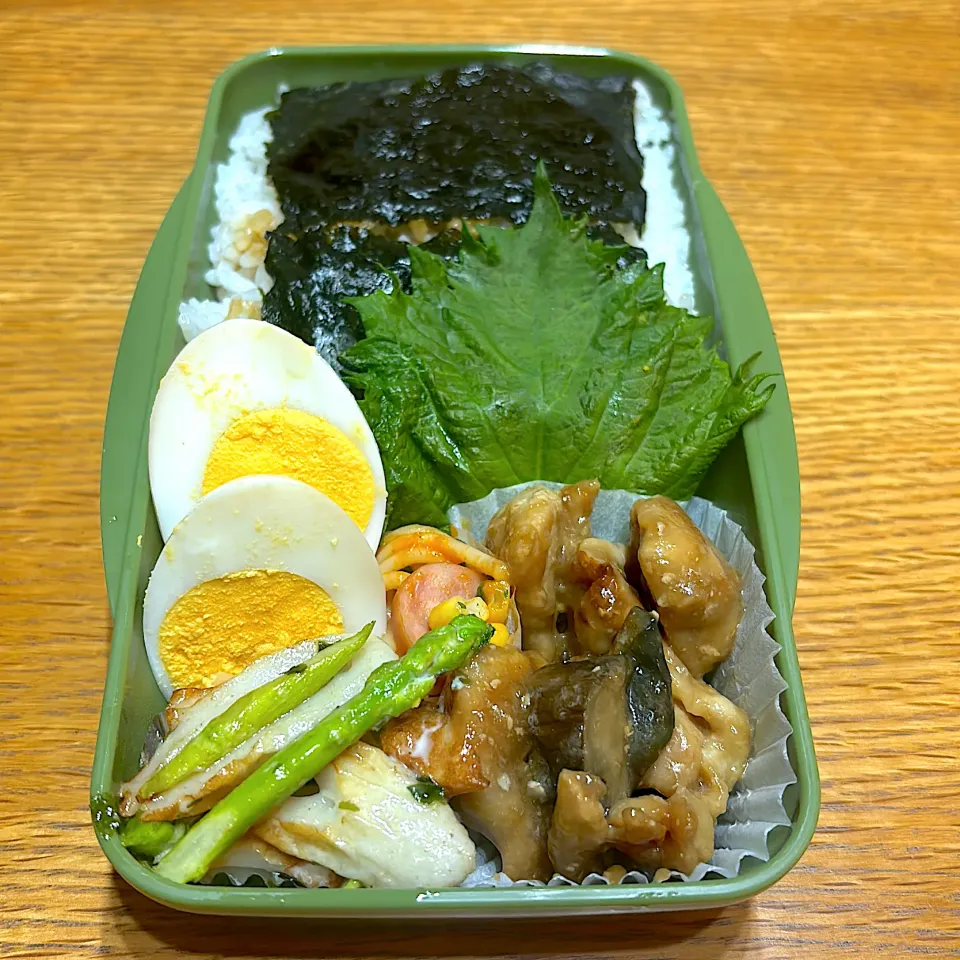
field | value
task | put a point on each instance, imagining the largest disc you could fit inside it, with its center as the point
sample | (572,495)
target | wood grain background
(831,131)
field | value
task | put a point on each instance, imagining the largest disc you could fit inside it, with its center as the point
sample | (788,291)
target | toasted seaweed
(314,266)
(460,143)
(350,161)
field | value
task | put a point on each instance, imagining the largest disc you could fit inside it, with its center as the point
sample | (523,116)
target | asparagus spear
(389,691)
(252,712)
(150,839)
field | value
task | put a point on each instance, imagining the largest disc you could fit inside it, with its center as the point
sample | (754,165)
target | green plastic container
(756,479)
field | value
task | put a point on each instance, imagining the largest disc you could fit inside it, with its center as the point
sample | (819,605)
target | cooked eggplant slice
(648,692)
(609,716)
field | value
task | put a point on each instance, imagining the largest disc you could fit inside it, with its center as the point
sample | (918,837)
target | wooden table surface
(831,131)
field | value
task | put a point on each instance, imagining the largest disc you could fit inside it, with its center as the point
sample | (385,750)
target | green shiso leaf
(539,354)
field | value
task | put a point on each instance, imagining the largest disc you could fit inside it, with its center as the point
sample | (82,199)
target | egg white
(265,523)
(235,368)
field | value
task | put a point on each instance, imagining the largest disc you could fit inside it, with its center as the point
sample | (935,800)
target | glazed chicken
(537,535)
(695,591)
(561,572)
(607,597)
(654,832)
(693,775)
(479,749)
(697,598)
(710,745)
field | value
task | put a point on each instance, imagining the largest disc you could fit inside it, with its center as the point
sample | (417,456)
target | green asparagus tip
(150,840)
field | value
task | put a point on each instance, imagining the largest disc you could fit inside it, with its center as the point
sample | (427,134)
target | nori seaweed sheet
(315,266)
(461,143)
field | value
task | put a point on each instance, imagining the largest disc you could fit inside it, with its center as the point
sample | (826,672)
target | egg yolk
(220,627)
(292,443)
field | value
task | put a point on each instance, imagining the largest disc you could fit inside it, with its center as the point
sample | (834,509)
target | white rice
(247,207)
(665,237)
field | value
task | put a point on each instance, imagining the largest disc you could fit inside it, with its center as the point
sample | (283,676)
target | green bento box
(755,479)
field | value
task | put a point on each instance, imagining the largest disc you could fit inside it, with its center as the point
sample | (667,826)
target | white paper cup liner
(749,677)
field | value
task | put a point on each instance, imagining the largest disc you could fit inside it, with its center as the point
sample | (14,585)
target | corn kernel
(496,594)
(444,612)
(501,635)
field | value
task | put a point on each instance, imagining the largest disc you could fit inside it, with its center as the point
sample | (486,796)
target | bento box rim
(514,901)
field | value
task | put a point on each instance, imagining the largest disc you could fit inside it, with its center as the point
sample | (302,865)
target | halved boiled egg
(260,564)
(246,397)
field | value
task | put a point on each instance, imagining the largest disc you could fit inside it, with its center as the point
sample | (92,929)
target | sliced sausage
(421,592)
